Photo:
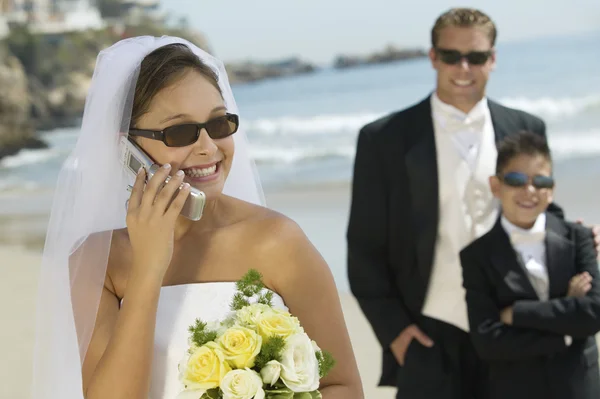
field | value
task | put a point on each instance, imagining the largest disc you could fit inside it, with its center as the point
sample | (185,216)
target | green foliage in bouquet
(200,334)
(249,286)
(326,362)
(271,350)
(214,393)
(280,391)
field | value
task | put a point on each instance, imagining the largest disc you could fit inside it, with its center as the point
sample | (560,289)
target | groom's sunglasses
(517,179)
(454,57)
(188,133)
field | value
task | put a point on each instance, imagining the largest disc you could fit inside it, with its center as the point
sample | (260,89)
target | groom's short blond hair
(464,18)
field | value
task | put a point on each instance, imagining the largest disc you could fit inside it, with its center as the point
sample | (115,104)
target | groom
(420,194)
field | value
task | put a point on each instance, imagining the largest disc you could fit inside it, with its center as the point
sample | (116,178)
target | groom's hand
(596,232)
(400,344)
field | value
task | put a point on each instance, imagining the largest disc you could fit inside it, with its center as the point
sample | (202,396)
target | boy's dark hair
(522,143)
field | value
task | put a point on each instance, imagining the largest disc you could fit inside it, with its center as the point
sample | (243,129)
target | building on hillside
(134,11)
(51,16)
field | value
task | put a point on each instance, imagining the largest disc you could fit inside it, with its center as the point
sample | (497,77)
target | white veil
(89,203)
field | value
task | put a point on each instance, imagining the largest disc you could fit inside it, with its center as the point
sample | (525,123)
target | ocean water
(303,129)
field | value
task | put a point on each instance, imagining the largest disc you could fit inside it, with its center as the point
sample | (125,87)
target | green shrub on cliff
(59,66)
(50,57)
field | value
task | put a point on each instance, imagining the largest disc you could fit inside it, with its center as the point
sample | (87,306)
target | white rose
(299,365)
(248,315)
(242,384)
(270,372)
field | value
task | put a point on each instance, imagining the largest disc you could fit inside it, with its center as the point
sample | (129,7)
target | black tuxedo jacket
(393,219)
(530,358)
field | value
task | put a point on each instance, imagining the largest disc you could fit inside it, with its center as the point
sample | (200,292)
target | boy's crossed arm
(575,315)
(493,339)
(579,286)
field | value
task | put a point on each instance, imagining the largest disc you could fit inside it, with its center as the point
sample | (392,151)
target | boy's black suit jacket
(530,359)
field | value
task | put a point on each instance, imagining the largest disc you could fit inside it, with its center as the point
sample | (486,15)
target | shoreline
(24,214)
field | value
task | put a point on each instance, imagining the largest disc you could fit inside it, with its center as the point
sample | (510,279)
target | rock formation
(16,128)
(254,71)
(389,54)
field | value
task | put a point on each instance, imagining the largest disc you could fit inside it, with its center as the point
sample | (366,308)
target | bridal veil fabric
(89,202)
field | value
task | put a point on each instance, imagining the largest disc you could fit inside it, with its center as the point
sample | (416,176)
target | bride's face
(192,99)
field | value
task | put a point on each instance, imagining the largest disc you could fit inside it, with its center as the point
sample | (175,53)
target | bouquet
(257,351)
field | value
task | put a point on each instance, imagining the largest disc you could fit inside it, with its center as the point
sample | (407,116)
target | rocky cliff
(16,128)
(44,79)
(389,54)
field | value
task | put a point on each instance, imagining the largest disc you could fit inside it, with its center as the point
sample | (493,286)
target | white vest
(467,207)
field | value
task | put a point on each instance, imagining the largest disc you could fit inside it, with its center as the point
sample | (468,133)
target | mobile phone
(133,158)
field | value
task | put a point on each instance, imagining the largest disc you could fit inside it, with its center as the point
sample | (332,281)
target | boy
(532,286)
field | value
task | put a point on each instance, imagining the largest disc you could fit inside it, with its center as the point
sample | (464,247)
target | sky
(318,30)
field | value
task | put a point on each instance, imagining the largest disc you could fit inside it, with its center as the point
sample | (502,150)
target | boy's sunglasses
(453,57)
(517,179)
(188,133)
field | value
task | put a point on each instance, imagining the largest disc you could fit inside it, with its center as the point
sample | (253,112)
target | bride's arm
(118,361)
(302,277)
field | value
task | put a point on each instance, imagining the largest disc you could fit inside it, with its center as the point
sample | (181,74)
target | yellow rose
(204,368)
(277,322)
(240,346)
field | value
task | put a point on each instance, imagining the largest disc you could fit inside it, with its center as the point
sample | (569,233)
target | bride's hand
(151,219)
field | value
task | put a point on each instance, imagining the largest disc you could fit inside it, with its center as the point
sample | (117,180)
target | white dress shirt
(466,157)
(465,129)
(531,247)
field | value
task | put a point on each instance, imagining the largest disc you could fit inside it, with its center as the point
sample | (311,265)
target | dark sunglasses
(453,57)
(517,179)
(188,133)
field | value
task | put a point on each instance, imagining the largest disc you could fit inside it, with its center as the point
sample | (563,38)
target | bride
(124,275)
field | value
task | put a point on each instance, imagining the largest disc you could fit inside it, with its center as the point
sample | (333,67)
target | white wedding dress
(178,307)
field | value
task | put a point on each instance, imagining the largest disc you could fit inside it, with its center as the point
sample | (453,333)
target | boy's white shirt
(530,245)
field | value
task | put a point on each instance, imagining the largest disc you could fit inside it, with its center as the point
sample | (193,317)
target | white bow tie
(517,237)
(453,124)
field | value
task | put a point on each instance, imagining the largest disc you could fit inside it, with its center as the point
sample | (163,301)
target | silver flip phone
(133,158)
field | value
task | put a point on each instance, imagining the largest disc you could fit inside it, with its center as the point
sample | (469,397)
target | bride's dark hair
(163,67)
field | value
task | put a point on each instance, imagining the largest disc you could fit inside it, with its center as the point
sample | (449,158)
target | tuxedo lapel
(559,257)
(498,116)
(421,167)
(509,264)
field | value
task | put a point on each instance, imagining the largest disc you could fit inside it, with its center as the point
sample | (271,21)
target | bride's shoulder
(272,225)
(282,249)
(272,232)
